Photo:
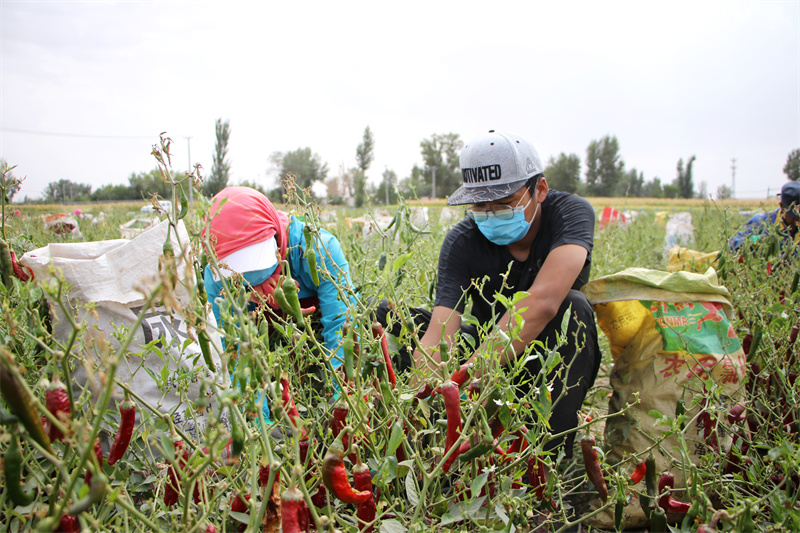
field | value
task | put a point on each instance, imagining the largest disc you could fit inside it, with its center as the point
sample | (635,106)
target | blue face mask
(503,232)
(256,277)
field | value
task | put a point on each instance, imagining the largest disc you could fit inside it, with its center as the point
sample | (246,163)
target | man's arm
(549,289)
(443,319)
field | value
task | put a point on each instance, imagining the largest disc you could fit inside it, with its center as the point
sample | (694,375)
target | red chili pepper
(591,461)
(378,333)
(338,422)
(474,389)
(69,524)
(127,411)
(666,501)
(709,429)
(517,445)
(638,473)
(537,475)
(461,375)
(172,489)
(736,413)
(98,453)
(362,480)
(239,504)
(424,392)
(452,405)
(334,476)
(294,513)
(289,406)
(57,402)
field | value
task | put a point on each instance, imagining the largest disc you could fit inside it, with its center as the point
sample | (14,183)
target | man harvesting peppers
(786,216)
(518,235)
(253,239)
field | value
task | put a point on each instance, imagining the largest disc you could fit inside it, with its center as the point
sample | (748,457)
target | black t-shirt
(467,257)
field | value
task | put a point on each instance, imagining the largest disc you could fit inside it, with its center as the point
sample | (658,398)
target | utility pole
(733,179)
(433,180)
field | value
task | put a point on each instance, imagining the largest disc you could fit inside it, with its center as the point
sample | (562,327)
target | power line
(81,135)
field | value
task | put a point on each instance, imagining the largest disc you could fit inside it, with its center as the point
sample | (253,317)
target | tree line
(437,176)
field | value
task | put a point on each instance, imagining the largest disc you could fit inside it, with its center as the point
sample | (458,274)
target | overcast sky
(86,87)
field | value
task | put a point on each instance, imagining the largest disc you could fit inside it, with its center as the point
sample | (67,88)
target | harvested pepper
(237,436)
(289,287)
(670,505)
(289,406)
(452,405)
(537,475)
(6,267)
(349,349)
(127,412)
(98,454)
(591,461)
(172,489)
(334,476)
(378,333)
(69,524)
(12,469)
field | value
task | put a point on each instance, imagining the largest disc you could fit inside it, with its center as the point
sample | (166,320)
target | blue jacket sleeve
(334,272)
(757,225)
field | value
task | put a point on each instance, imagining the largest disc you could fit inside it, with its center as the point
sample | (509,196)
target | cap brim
(488,193)
(258,256)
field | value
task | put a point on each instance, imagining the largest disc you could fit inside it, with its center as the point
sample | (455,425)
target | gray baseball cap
(494,166)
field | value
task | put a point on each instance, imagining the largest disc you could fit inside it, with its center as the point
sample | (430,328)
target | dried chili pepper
(591,461)
(334,476)
(638,473)
(18,271)
(736,413)
(21,403)
(666,501)
(424,392)
(12,469)
(56,400)
(311,255)
(127,413)
(537,475)
(239,504)
(362,480)
(294,513)
(452,405)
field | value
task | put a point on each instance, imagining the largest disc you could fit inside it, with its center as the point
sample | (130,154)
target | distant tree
(220,168)
(671,191)
(306,166)
(411,185)
(703,190)
(652,189)
(254,185)
(684,181)
(146,184)
(7,177)
(564,173)
(632,184)
(113,192)
(792,166)
(364,157)
(386,192)
(440,154)
(66,191)
(724,192)
(604,166)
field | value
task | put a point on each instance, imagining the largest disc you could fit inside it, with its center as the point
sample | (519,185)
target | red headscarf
(247,217)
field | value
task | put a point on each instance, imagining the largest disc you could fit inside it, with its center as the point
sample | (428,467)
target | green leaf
(391,525)
(411,489)
(478,483)
(396,437)
(402,260)
(388,470)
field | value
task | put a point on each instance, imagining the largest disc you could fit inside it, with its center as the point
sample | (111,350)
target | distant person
(787,224)
(250,236)
(518,235)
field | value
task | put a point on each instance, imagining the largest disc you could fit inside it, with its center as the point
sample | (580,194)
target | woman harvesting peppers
(253,239)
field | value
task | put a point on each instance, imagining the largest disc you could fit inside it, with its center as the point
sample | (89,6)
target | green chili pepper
(651,484)
(6,265)
(184,203)
(658,521)
(619,507)
(680,409)
(97,490)
(746,522)
(290,293)
(21,403)
(12,467)
(348,347)
(311,255)
(795,281)
(237,436)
